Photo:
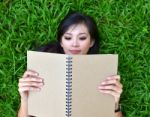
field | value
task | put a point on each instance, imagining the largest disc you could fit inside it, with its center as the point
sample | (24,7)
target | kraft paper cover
(88,71)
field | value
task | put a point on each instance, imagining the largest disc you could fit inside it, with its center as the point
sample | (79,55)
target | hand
(30,81)
(112,86)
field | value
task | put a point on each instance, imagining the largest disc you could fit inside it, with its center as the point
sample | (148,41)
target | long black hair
(75,18)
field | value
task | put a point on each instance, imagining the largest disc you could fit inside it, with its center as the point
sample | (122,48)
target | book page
(50,101)
(88,72)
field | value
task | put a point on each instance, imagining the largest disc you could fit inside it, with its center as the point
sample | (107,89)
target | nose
(75,43)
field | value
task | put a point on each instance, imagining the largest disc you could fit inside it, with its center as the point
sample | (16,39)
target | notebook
(71,82)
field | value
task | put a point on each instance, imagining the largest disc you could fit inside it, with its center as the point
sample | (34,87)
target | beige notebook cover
(82,74)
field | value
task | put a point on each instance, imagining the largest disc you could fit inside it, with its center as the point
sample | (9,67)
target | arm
(23,109)
(30,81)
(113,87)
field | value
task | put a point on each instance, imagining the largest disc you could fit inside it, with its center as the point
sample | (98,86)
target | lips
(75,51)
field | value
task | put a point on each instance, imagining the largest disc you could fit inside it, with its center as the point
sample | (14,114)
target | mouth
(75,51)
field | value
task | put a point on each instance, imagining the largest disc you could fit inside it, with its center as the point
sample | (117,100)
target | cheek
(64,43)
(86,44)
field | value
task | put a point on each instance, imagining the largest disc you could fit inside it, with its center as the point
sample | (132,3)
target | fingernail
(40,84)
(109,77)
(41,80)
(36,74)
(100,90)
(39,89)
(103,83)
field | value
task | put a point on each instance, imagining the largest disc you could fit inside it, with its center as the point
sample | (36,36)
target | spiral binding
(68,86)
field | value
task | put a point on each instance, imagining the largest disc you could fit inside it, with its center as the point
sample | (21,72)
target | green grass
(124,27)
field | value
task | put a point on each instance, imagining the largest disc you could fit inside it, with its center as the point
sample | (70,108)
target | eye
(82,38)
(67,38)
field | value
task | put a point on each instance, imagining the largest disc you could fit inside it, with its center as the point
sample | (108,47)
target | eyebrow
(79,33)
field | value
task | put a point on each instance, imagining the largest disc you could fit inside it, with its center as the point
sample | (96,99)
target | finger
(117,77)
(30,72)
(106,87)
(30,84)
(31,79)
(112,82)
(23,89)
(111,87)
(110,92)
(119,84)
(108,82)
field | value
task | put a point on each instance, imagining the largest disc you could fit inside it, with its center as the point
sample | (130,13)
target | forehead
(77,29)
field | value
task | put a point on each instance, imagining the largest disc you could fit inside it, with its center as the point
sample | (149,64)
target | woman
(77,34)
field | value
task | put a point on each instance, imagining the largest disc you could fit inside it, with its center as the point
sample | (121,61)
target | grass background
(124,27)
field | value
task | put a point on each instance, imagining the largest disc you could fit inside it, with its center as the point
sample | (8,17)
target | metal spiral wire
(68,85)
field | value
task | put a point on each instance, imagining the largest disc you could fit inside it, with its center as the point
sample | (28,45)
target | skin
(76,40)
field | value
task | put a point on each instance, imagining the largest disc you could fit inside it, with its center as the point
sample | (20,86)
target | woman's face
(76,40)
